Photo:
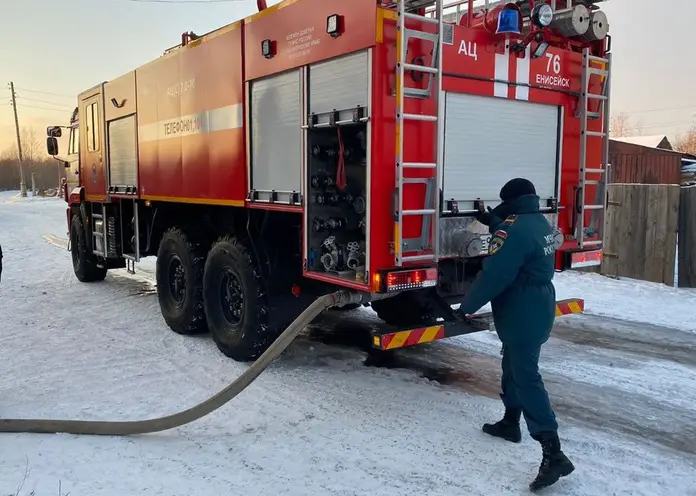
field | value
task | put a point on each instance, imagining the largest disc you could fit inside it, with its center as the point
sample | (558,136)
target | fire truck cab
(342,145)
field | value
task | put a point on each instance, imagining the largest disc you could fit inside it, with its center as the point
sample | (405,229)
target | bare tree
(686,143)
(47,171)
(31,145)
(620,125)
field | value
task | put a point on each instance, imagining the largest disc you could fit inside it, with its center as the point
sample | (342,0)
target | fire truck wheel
(85,264)
(402,310)
(235,301)
(179,274)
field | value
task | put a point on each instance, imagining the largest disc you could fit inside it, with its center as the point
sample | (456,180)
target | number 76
(554,60)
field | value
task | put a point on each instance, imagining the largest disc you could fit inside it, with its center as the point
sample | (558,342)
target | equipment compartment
(121,133)
(337,201)
(339,85)
(276,139)
(494,140)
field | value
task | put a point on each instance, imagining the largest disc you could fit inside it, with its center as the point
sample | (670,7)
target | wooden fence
(641,231)
(687,237)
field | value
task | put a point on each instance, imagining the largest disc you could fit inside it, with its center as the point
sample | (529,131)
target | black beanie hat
(515,188)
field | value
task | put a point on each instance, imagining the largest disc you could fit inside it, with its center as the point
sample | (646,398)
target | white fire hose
(125,428)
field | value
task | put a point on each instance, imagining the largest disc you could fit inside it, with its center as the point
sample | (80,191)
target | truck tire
(85,264)
(403,309)
(179,273)
(236,304)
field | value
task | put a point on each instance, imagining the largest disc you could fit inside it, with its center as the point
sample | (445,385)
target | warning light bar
(411,279)
(586,259)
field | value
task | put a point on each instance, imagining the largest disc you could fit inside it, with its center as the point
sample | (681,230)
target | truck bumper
(391,339)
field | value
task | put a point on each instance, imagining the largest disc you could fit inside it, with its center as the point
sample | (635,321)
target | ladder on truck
(412,250)
(600,202)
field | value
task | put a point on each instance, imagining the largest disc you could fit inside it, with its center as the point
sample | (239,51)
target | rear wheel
(235,301)
(180,263)
(85,264)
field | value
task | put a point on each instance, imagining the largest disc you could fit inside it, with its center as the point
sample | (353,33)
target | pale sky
(61,47)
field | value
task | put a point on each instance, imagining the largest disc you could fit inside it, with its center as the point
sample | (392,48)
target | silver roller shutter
(276,135)
(339,84)
(489,141)
(123,152)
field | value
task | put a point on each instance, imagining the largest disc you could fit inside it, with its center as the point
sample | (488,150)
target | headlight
(542,15)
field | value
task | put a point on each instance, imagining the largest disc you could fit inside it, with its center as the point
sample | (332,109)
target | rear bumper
(391,339)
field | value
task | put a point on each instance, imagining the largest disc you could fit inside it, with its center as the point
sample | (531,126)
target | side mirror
(52,146)
(54,131)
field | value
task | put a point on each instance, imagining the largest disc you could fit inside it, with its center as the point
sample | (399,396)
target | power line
(662,109)
(662,124)
(20,98)
(45,93)
(42,108)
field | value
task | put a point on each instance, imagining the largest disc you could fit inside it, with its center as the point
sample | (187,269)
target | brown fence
(631,163)
(641,232)
(687,237)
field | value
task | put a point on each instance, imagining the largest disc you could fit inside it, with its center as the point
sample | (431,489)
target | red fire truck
(318,145)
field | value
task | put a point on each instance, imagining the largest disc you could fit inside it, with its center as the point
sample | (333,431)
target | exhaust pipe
(261,4)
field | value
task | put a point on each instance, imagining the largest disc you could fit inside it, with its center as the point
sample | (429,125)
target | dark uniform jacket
(517,275)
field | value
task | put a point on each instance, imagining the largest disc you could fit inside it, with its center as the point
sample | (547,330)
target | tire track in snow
(648,340)
(603,407)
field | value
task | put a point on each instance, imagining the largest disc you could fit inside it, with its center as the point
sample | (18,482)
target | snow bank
(628,299)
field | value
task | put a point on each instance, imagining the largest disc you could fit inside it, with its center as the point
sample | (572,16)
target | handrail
(462,6)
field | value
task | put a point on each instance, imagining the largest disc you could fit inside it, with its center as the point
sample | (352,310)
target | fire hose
(126,428)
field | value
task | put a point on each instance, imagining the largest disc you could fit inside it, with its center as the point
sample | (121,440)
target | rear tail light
(411,279)
(586,259)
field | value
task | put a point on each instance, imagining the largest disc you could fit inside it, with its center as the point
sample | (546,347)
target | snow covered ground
(318,422)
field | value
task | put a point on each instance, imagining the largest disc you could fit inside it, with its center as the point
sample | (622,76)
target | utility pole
(22,184)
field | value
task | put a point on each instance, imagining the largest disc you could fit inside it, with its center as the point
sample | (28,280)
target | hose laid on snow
(125,428)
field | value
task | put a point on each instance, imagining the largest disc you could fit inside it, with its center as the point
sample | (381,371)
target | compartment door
(339,84)
(123,155)
(489,141)
(276,137)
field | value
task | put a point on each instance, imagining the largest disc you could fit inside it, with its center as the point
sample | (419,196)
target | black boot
(554,463)
(508,428)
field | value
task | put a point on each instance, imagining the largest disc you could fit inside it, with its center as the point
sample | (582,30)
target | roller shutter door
(339,84)
(276,135)
(489,141)
(123,152)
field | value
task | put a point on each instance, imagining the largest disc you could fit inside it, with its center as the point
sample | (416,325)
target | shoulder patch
(495,244)
(501,234)
(511,219)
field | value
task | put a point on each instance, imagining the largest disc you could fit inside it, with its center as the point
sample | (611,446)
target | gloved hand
(462,315)
(485,217)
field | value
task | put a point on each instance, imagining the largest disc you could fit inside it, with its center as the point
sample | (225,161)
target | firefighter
(517,280)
